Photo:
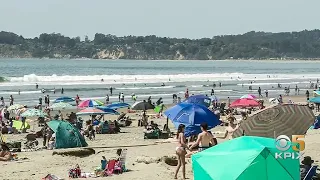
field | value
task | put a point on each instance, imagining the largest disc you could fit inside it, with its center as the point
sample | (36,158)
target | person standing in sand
(181,152)
(204,138)
(232,127)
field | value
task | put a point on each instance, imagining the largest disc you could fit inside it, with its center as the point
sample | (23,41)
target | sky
(166,18)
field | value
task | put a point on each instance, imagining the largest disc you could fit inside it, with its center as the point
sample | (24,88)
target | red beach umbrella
(243,103)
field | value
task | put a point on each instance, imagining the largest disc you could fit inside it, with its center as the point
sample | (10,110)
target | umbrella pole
(167,124)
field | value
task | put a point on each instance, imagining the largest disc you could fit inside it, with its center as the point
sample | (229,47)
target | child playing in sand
(99,171)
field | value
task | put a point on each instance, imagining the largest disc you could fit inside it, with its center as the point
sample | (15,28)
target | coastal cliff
(251,45)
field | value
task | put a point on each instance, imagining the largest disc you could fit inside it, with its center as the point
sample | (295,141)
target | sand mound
(83,152)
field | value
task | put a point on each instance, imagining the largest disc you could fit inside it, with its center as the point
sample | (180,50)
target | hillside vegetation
(251,45)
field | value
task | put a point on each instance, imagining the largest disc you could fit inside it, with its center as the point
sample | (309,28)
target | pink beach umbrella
(248,96)
(90,103)
(243,103)
(91,111)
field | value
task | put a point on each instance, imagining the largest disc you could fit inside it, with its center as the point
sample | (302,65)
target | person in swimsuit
(232,127)
(181,152)
(204,138)
(5,154)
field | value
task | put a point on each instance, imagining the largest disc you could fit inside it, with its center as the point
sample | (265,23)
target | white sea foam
(31,79)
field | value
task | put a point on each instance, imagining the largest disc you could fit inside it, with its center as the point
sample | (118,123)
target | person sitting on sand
(306,165)
(231,128)
(205,138)
(99,171)
(5,154)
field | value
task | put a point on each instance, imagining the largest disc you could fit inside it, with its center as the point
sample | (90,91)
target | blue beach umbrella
(64,99)
(118,105)
(199,99)
(191,115)
(315,100)
(108,110)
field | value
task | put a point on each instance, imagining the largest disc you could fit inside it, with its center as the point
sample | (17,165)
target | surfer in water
(43,91)
(163,84)
(102,80)
(111,90)
(62,90)
(37,86)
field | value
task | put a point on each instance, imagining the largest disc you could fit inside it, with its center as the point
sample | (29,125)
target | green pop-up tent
(67,136)
(244,158)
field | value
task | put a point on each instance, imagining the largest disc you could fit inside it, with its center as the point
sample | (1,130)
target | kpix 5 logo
(283,143)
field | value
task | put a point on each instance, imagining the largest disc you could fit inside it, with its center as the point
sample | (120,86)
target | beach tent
(191,115)
(315,100)
(316,93)
(248,96)
(282,119)
(244,158)
(67,135)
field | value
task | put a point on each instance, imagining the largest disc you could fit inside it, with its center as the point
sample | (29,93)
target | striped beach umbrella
(90,103)
(15,107)
(64,99)
(91,111)
(60,105)
(33,113)
(283,119)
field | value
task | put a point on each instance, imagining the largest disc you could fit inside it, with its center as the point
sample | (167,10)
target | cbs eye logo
(283,143)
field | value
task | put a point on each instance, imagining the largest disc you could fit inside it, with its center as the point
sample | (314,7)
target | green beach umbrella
(158,108)
(15,107)
(60,105)
(33,113)
(244,158)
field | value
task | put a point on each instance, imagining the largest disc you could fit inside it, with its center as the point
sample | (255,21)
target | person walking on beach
(48,100)
(308,95)
(181,152)
(40,102)
(267,93)
(11,100)
(107,99)
(111,90)
(2,104)
(37,86)
(62,90)
(186,95)
(122,97)
(212,92)
(119,97)
(54,90)
(259,92)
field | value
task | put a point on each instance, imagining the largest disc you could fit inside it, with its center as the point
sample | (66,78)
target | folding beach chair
(312,172)
(110,167)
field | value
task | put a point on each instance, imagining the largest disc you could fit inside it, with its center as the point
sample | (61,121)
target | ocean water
(144,78)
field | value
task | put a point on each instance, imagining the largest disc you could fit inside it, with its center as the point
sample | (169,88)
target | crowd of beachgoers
(100,139)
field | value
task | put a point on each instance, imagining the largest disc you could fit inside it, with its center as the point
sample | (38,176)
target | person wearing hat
(5,154)
(306,166)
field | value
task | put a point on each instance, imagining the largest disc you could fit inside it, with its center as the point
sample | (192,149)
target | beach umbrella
(142,105)
(20,111)
(64,99)
(248,96)
(18,124)
(199,99)
(108,110)
(90,103)
(118,105)
(316,93)
(33,113)
(60,105)
(315,100)
(243,103)
(15,107)
(91,111)
(191,115)
(158,108)
(282,119)
(249,158)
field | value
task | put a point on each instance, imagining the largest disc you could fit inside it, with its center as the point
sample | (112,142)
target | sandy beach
(37,164)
